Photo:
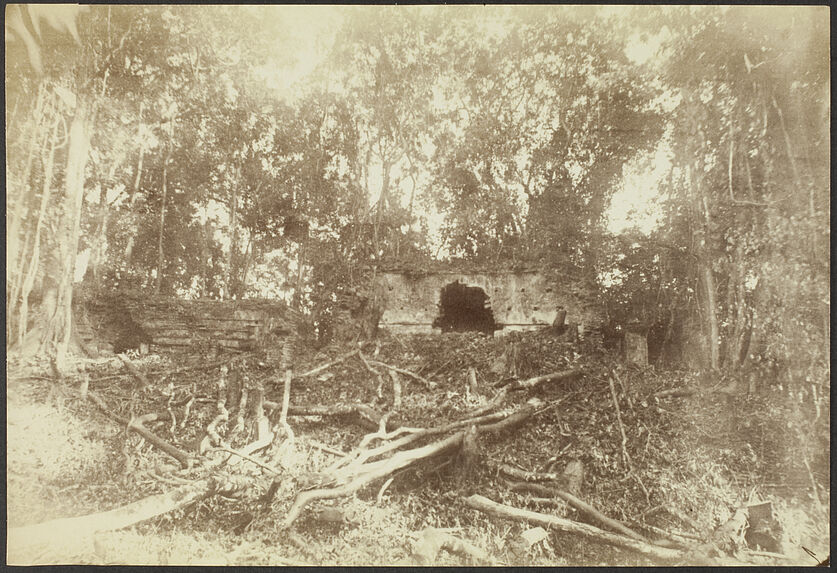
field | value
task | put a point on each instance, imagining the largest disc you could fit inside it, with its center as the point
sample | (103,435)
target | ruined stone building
(486,301)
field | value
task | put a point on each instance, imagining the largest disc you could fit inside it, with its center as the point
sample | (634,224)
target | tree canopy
(181,149)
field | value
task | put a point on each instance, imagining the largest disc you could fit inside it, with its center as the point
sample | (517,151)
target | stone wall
(125,319)
(522,300)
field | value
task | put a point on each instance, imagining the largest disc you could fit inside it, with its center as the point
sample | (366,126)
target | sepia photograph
(426,285)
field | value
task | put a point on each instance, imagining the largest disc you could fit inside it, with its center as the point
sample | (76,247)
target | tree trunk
(159,277)
(15,257)
(228,284)
(736,353)
(56,336)
(26,543)
(98,255)
(34,258)
(129,248)
(381,207)
(205,239)
(711,315)
(706,277)
(296,301)
(249,256)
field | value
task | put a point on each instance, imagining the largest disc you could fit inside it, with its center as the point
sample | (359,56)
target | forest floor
(672,468)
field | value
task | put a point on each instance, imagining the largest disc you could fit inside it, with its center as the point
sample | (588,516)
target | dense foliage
(294,153)
(153,145)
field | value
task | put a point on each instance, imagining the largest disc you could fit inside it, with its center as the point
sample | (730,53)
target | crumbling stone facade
(517,300)
(125,320)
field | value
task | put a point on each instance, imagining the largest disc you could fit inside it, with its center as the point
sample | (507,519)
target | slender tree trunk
(56,337)
(248,256)
(740,326)
(711,315)
(233,235)
(159,277)
(14,252)
(100,246)
(709,284)
(382,204)
(205,248)
(707,278)
(296,301)
(12,303)
(129,247)
(34,258)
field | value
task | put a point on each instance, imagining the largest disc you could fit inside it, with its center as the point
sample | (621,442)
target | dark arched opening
(463,308)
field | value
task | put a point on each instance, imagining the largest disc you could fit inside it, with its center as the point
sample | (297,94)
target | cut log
(396,390)
(471,386)
(559,323)
(553,377)
(574,476)
(525,516)
(40,539)
(137,425)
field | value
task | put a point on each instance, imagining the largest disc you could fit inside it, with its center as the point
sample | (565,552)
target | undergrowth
(691,461)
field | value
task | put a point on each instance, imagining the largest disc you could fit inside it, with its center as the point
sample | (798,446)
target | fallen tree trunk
(522,515)
(506,422)
(396,462)
(580,505)
(137,425)
(510,422)
(354,476)
(368,416)
(552,377)
(360,456)
(44,541)
(670,536)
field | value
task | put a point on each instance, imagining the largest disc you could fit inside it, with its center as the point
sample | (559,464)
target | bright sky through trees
(312,30)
